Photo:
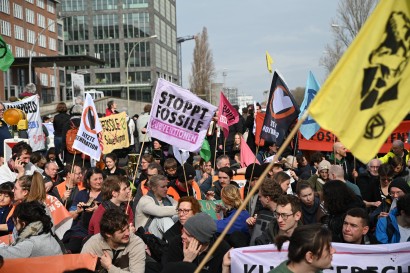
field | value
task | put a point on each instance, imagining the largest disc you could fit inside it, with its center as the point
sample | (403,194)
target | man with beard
(321,177)
(118,249)
(116,193)
(367,182)
(18,165)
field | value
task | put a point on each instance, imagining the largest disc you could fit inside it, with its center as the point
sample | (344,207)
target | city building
(30,28)
(135,38)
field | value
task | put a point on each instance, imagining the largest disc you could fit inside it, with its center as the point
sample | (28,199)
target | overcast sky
(294,32)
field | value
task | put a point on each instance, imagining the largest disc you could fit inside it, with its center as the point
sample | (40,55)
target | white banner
(31,107)
(348,258)
(87,137)
(179,117)
(77,86)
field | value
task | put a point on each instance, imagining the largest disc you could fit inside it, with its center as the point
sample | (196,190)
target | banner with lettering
(208,206)
(31,107)
(323,140)
(227,114)
(179,117)
(87,140)
(348,258)
(115,132)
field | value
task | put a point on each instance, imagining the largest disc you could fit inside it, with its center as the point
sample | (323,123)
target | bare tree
(203,69)
(351,16)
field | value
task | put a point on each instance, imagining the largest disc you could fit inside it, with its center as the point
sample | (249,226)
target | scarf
(165,200)
(309,213)
(33,229)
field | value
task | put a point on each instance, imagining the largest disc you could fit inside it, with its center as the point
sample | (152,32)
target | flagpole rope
(252,192)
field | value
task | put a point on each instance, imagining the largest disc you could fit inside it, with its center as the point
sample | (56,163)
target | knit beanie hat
(324,165)
(189,172)
(400,183)
(201,226)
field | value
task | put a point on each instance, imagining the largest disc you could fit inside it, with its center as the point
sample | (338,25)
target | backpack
(70,137)
(156,246)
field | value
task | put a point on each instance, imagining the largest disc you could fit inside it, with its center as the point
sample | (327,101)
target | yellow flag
(368,93)
(269,62)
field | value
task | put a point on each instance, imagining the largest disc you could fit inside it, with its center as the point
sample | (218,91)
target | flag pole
(139,158)
(183,169)
(253,191)
(216,146)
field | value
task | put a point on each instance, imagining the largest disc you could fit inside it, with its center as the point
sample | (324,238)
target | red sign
(323,140)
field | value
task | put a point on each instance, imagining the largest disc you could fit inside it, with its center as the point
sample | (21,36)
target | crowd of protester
(148,218)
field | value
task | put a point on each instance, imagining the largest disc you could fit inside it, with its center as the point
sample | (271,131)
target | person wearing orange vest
(68,189)
(184,185)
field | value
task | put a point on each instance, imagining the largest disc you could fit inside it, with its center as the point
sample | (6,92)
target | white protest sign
(31,107)
(179,117)
(348,258)
(87,137)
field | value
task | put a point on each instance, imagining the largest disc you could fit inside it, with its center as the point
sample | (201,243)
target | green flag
(205,152)
(6,57)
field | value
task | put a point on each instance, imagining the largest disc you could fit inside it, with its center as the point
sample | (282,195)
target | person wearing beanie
(194,243)
(321,177)
(398,188)
(185,184)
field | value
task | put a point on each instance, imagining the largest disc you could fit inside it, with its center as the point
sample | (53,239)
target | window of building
(158,60)
(30,1)
(168,10)
(140,57)
(75,28)
(136,25)
(105,26)
(44,79)
(41,20)
(51,26)
(30,16)
(52,81)
(20,52)
(17,11)
(40,4)
(73,5)
(19,32)
(5,6)
(52,44)
(110,53)
(5,28)
(60,45)
(107,78)
(105,4)
(42,41)
(76,49)
(50,6)
(173,15)
(134,4)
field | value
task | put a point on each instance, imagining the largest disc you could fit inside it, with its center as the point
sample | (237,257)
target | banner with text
(115,132)
(323,140)
(348,258)
(87,140)
(178,117)
(31,107)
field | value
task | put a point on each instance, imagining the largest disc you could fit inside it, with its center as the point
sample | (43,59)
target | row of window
(18,10)
(81,5)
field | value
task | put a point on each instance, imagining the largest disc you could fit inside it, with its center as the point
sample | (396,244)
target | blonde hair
(231,196)
(34,184)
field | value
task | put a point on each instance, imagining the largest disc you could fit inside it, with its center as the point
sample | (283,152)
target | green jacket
(282,268)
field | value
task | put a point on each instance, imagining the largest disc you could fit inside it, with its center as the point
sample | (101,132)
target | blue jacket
(381,229)
(239,225)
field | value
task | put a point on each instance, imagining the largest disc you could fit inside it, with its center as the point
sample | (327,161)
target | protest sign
(62,219)
(208,206)
(87,140)
(348,258)
(179,117)
(31,107)
(115,132)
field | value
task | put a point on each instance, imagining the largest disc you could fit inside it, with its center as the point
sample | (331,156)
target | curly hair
(33,211)
(195,206)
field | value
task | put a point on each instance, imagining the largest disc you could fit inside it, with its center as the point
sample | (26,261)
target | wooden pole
(253,191)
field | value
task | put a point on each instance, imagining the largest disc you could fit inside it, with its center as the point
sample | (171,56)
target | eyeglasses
(283,215)
(183,211)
